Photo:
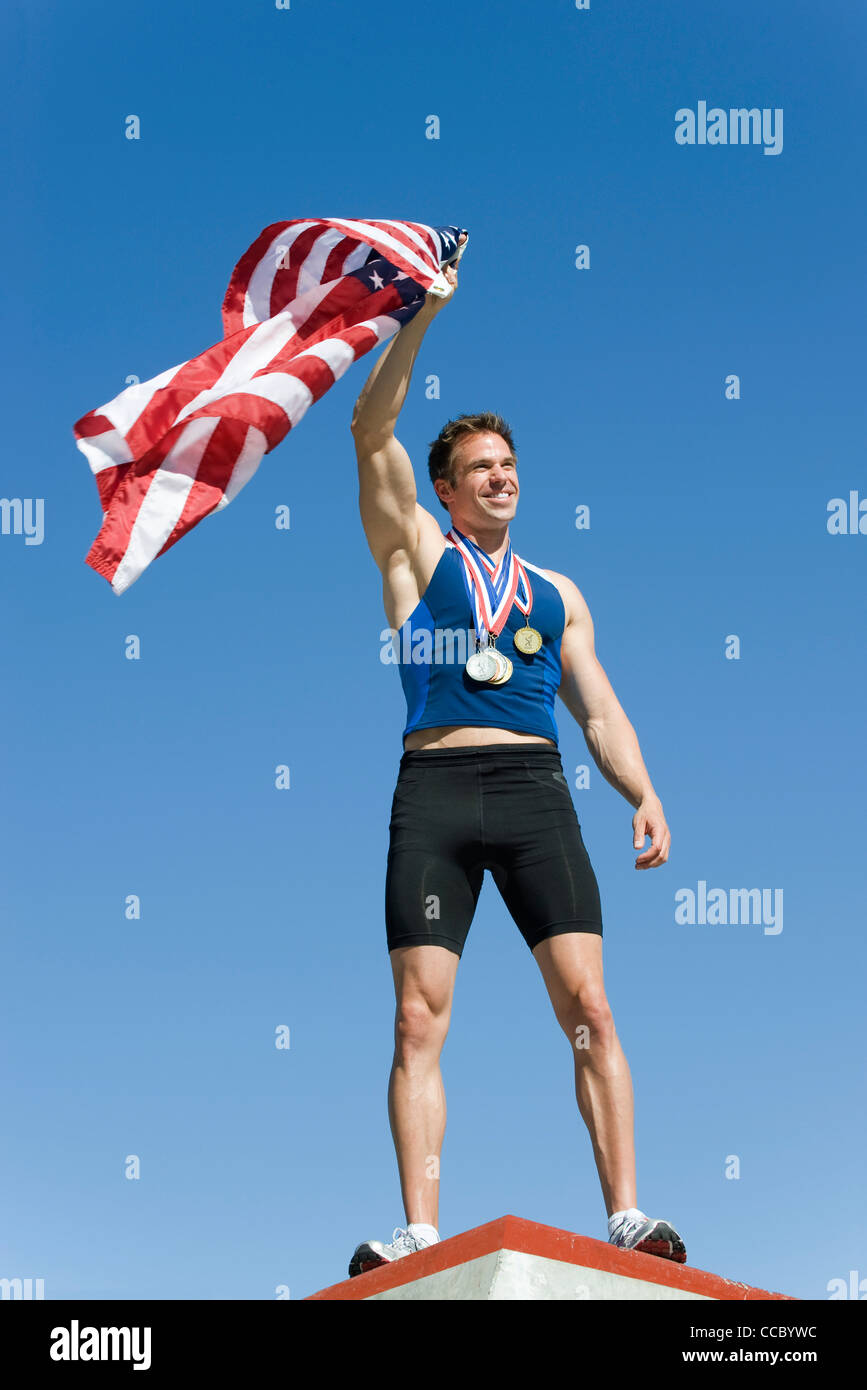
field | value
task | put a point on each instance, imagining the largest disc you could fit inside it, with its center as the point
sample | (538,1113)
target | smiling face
(486,489)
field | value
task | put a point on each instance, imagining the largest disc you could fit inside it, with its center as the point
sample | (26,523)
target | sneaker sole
(365,1259)
(664,1241)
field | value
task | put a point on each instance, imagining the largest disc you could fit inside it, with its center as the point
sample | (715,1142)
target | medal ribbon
(491,588)
(524,594)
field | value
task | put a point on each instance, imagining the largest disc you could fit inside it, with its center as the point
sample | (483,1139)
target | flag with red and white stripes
(305,301)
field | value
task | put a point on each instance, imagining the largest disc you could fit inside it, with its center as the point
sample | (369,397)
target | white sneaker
(373,1253)
(635,1231)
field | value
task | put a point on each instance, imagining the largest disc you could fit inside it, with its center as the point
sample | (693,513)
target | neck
(493,539)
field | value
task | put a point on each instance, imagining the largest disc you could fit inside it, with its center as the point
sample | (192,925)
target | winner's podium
(514,1259)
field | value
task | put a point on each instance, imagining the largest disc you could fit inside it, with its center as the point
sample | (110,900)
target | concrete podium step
(515,1259)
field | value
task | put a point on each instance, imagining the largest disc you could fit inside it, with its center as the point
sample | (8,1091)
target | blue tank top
(437,688)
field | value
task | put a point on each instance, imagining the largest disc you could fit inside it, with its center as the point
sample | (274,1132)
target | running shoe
(635,1231)
(374,1253)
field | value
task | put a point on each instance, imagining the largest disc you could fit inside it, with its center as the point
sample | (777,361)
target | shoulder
(573,599)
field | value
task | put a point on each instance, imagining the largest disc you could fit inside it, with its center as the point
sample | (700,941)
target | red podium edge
(532,1238)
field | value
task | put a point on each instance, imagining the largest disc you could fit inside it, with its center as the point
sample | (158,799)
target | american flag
(305,301)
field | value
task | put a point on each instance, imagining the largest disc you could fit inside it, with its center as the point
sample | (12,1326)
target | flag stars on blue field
(377,276)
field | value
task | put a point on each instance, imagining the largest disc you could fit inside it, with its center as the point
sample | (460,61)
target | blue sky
(261,908)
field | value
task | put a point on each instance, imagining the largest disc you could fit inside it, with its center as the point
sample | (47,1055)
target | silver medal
(482,665)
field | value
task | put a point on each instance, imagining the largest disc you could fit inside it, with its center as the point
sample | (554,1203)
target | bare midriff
(463,736)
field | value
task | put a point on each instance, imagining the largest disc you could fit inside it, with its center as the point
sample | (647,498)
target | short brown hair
(439,462)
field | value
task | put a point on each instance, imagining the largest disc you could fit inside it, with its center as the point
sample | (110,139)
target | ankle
(624,1211)
(425,1231)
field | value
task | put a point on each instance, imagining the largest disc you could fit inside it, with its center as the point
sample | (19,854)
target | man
(481,785)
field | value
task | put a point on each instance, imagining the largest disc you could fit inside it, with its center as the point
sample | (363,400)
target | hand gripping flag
(305,301)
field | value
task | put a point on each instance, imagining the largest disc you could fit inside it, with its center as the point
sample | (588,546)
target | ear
(443,491)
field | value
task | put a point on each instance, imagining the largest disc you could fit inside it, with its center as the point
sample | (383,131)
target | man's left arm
(589,697)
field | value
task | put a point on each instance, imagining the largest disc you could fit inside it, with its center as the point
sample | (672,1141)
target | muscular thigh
(424,975)
(540,863)
(434,871)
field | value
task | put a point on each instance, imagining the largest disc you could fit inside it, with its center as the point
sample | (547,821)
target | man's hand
(649,820)
(434,302)
(383,394)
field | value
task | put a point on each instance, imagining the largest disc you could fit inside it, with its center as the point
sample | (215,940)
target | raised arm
(589,697)
(390,512)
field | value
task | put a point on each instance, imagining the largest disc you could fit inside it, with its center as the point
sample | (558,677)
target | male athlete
(481,786)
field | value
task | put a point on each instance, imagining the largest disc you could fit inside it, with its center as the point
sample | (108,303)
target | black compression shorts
(506,807)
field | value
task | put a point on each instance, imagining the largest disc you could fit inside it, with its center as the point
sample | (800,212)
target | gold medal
(527,639)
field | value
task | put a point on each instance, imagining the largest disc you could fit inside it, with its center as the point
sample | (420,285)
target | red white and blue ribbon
(491,588)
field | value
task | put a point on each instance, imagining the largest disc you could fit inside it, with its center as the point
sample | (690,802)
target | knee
(419,1026)
(588,1021)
